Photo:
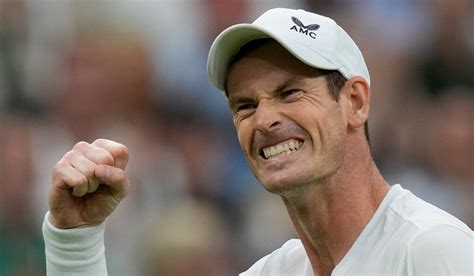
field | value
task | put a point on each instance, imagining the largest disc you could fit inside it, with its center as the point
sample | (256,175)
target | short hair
(334,79)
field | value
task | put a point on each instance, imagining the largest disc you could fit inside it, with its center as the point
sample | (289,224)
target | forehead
(269,64)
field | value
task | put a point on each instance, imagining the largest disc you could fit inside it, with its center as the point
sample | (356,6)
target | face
(291,130)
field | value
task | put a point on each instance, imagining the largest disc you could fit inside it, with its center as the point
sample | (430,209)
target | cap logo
(307,30)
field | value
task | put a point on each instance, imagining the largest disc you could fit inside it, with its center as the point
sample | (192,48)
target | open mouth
(283,148)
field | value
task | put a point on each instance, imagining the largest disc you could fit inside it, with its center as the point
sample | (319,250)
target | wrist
(76,250)
(57,223)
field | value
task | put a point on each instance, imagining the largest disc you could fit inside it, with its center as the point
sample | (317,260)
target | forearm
(74,251)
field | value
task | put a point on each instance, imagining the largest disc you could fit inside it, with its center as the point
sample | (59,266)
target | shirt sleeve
(77,251)
(442,250)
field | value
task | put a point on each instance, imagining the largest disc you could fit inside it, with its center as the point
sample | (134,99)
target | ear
(357,92)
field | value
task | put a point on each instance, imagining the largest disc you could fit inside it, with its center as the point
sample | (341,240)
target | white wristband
(78,251)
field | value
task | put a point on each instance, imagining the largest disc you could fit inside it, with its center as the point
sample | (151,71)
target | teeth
(283,148)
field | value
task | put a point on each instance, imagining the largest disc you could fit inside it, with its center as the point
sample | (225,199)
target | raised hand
(88,183)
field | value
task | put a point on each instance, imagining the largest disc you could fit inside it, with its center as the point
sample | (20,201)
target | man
(299,91)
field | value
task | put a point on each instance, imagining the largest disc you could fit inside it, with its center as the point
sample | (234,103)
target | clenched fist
(88,183)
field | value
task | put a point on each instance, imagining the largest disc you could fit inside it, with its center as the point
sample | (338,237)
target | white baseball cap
(314,39)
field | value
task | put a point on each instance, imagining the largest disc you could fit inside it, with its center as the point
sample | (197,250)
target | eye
(245,106)
(287,93)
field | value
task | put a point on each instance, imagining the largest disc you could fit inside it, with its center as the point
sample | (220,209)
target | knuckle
(100,156)
(58,169)
(59,165)
(62,173)
(70,155)
(80,180)
(100,141)
(80,145)
(82,164)
(120,176)
(115,175)
(122,150)
(56,172)
(105,159)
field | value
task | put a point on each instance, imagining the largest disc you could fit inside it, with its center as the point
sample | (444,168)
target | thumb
(113,177)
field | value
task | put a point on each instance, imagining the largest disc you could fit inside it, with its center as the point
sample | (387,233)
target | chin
(285,183)
(282,184)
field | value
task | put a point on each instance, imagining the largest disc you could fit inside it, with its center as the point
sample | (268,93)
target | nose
(266,116)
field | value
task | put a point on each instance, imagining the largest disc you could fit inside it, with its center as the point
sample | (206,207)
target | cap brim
(228,43)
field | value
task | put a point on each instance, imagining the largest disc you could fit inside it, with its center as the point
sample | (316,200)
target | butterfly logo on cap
(311,27)
(307,30)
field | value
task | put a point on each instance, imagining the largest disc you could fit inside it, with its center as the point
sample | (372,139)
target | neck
(329,215)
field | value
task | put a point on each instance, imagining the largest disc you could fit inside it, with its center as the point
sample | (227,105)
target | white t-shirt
(406,236)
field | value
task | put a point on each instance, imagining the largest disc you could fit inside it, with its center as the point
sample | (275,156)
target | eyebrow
(238,99)
(291,81)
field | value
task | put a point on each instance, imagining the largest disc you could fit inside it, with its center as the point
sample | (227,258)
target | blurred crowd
(134,71)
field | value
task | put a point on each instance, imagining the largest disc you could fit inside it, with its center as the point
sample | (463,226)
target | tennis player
(299,91)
